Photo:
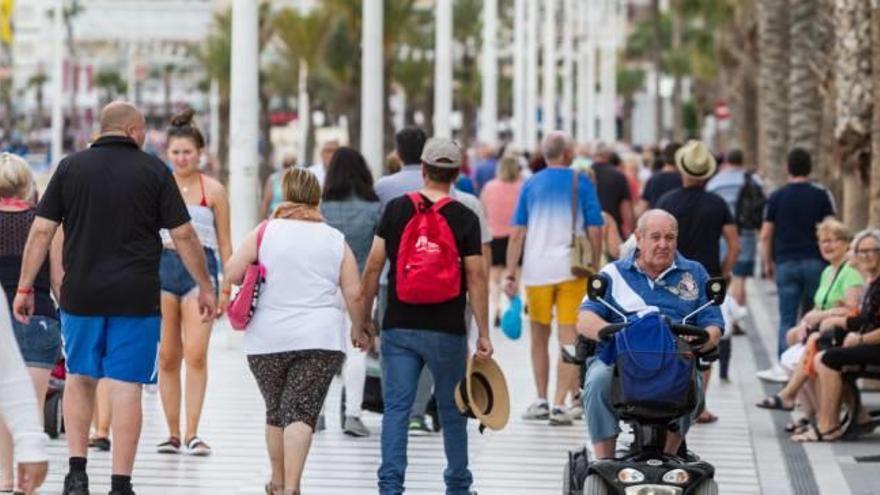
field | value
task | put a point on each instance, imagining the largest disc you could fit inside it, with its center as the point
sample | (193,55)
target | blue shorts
(39,341)
(123,348)
(745,261)
(175,278)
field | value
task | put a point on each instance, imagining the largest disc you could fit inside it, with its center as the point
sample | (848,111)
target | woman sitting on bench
(858,345)
(840,289)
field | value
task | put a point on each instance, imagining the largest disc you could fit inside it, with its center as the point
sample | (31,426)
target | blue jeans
(404,354)
(796,283)
(603,422)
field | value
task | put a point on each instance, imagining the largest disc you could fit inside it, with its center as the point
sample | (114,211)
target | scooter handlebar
(608,331)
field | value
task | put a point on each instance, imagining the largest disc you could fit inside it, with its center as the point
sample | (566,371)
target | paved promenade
(750,455)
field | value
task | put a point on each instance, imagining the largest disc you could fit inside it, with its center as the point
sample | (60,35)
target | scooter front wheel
(708,487)
(595,485)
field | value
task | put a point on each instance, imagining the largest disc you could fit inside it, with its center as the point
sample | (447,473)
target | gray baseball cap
(442,152)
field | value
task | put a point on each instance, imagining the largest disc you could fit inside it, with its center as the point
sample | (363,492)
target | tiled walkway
(525,458)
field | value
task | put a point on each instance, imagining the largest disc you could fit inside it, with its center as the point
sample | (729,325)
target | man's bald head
(123,119)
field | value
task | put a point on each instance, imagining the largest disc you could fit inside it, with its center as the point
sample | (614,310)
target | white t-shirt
(544,208)
(300,306)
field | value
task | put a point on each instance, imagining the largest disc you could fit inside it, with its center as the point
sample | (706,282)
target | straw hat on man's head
(482,394)
(695,160)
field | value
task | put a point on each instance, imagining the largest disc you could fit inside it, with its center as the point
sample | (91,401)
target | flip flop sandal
(775,403)
(812,434)
(706,418)
(797,426)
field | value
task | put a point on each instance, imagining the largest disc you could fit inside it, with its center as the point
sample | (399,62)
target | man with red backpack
(433,245)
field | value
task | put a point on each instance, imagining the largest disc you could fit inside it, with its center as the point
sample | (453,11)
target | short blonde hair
(508,168)
(835,228)
(16,178)
(301,186)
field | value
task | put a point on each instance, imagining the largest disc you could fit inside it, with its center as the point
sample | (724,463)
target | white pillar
(608,96)
(519,74)
(214,118)
(532,76)
(548,115)
(568,19)
(443,69)
(304,113)
(489,93)
(372,93)
(57,84)
(132,70)
(244,108)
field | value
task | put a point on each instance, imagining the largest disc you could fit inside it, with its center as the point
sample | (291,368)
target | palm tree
(466,31)
(773,74)
(111,83)
(302,38)
(874,217)
(852,21)
(804,102)
(37,81)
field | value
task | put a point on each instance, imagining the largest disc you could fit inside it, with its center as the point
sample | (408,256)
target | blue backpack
(652,369)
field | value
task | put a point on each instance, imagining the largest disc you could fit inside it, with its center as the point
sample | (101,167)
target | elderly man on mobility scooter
(654,280)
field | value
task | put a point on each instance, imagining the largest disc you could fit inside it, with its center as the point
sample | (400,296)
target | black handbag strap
(831,285)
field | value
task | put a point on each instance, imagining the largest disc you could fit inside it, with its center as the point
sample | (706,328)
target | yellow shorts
(566,296)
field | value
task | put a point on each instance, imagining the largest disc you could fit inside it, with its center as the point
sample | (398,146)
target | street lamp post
(372,94)
(489,107)
(519,73)
(531,140)
(549,84)
(568,24)
(57,82)
(443,69)
(244,108)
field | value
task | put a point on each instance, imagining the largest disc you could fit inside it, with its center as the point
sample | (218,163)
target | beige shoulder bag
(581,249)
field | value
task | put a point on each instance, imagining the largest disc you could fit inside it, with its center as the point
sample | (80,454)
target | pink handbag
(242,307)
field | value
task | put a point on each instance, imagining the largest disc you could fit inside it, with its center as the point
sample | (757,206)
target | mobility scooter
(644,468)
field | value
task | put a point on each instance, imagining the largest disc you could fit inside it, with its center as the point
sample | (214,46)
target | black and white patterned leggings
(295,383)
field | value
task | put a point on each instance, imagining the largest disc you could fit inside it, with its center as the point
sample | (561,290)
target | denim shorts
(745,262)
(124,348)
(39,341)
(175,278)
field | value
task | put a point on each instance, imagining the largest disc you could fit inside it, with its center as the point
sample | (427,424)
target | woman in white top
(185,336)
(295,339)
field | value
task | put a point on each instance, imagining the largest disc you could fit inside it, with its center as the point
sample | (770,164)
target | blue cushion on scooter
(651,369)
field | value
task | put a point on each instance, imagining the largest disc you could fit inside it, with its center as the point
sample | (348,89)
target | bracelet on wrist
(226,291)
(25,290)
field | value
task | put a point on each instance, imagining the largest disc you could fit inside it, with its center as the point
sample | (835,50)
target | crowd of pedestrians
(127,260)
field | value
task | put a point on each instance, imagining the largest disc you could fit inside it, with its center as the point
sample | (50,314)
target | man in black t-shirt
(666,179)
(613,190)
(703,218)
(111,199)
(432,335)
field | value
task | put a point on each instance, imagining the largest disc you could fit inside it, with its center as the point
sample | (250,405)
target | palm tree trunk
(874,217)
(773,88)
(804,104)
(827,171)
(854,106)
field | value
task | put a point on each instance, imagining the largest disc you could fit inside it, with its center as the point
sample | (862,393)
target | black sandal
(775,403)
(797,426)
(812,434)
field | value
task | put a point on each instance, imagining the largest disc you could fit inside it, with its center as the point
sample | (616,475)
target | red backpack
(428,265)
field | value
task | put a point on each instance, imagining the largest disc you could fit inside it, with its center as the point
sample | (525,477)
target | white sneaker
(538,411)
(576,410)
(775,374)
(559,417)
